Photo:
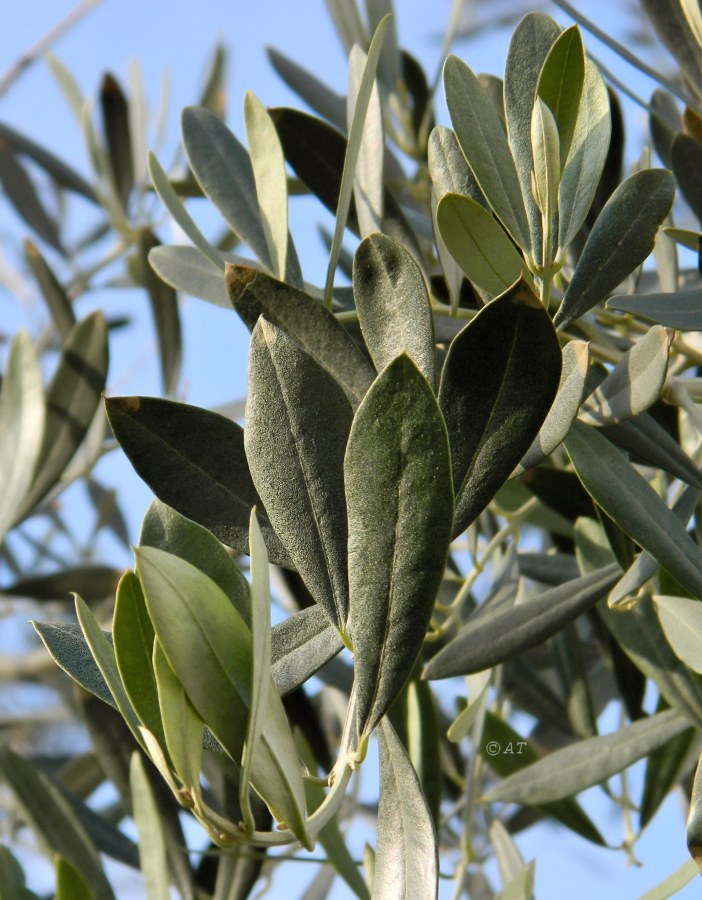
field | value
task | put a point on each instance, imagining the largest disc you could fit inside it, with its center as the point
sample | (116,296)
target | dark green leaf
(53,820)
(672,27)
(194,461)
(301,645)
(223,170)
(22,194)
(92,582)
(306,320)
(51,289)
(626,497)
(316,94)
(664,768)
(686,158)
(494,397)
(72,399)
(399,498)
(115,124)
(665,122)
(621,239)
(487,638)
(579,766)
(693,827)
(484,143)
(406,863)
(393,305)
(295,451)
(164,309)
(58,170)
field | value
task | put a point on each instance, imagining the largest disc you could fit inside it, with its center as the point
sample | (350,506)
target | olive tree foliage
(471,451)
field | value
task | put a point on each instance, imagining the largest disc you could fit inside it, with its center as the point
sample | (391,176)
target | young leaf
(53,820)
(194,461)
(393,305)
(493,396)
(634,384)
(71,401)
(152,844)
(133,636)
(70,884)
(491,638)
(564,409)
(573,769)
(544,141)
(22,419)
(209,648)
(484,143)
(621,239)
(368,177)
(631,502)
(295,451)
(561,83)
(583,166)
(223,171)
(305,319)
(478,243)
(187,270)
(399,499)
(260,663)
(406,862)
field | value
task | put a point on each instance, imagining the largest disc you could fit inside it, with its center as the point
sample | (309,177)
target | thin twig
(43,44)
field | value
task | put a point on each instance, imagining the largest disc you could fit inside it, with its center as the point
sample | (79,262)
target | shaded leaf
(686,159)
(295,451)
(152,845)
(573,769)
(693,826)
(664,122)
(399,498)
(681,620)
(116,127)
(393,305)
(681,310)
(406,863)
(164,309)
(487,639)
(626,497)
(53,820)
(316,94)
(673,28)
(305,319)
(621,239)
(194,461)
(93,582)
(478,243)
(22,195)
(484,143)
(68,648)
(493,397)
(70,884)
(52,291)
(300,646)
(664,768)
(72,399)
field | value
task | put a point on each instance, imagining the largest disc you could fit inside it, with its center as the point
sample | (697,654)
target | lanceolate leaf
(561,84)
(20,191)
(686,158)
(93,582)
(187,270)
(572,769)
(223,170)
(71,401)
(449,171)
(490,638)
(682,623)
(295,451)
(478,243)
(52,291)
(631,502)
(368,177)
(565,407)
(194,461)
(152,844)
(21,426)
(693,826)
(494,395)
(682,310)
(70,884)
(484,143)
(528,49)
(399,498)
(634,384)
(53,820)
(115,122)
(300,645)
(68,648)
(393,305)
(208,645)
(305,319)
(406,863)
(672,27)
(588,154)
(664,769)
(621,239)
(316,94)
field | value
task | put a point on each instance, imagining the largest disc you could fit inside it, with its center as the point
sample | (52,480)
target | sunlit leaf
(682,310)
(187,270)
(152,845)
(70,884)
(561,83)
(682,623)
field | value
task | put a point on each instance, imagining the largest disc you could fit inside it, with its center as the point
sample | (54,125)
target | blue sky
(179,37)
